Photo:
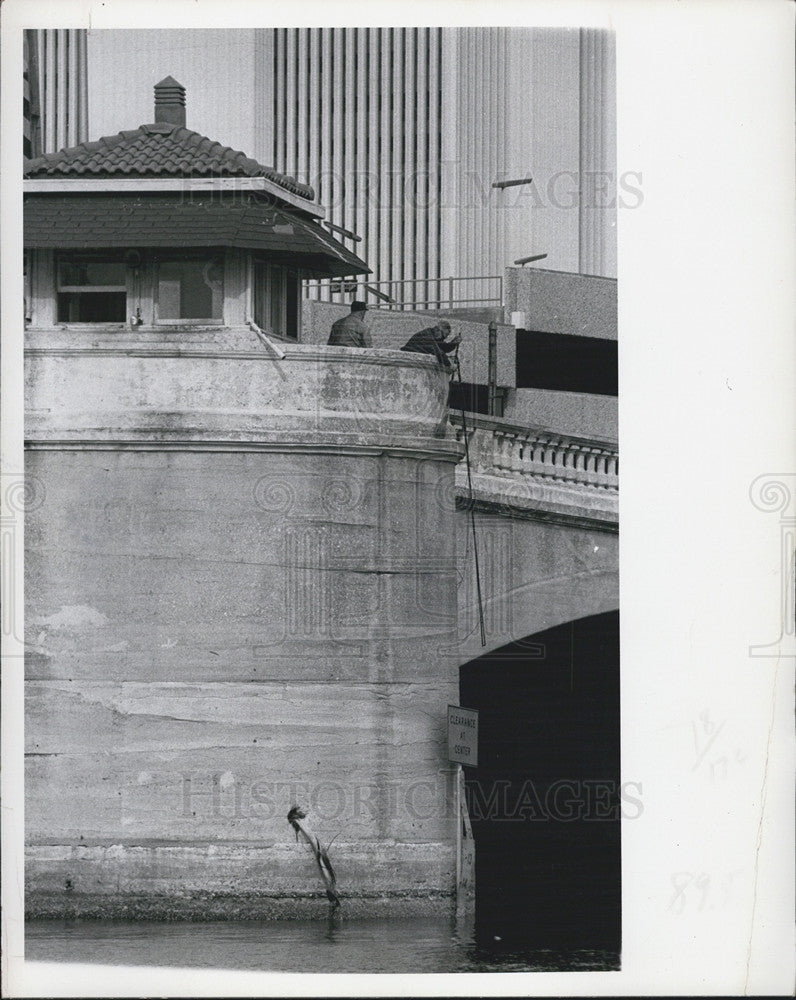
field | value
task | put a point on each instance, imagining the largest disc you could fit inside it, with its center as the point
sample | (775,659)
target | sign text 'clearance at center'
(463,735)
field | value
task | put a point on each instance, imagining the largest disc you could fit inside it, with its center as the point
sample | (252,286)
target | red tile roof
(157,150)
(241,219)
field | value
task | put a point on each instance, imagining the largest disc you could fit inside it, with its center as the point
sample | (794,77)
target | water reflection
(334,945)
(333,923)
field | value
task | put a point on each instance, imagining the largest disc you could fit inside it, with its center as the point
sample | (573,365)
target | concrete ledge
(233,880)
(526,497)
(112,390)
(204,907)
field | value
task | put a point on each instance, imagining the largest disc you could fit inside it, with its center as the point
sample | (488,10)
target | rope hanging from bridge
(458,374)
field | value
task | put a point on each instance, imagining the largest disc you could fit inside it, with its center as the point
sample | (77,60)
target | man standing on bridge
(432,340)
(350,331)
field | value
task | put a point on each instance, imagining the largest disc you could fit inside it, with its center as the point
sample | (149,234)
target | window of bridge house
(91,289)
(190,290)
(277,299)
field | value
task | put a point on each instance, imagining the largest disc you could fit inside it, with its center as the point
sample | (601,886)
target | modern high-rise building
(55,90)
(402,132)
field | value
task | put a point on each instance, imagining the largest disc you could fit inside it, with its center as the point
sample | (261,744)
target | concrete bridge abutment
(241,595)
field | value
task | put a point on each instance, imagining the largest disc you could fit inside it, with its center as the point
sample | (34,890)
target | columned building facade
(55,89)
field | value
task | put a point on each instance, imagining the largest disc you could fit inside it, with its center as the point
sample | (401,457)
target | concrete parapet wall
(114,387)
(560,302)
(579,413)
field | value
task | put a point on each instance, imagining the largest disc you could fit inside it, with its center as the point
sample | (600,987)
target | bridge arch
(535,574)
(545,798)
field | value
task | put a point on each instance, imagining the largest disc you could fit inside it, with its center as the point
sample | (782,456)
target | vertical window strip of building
(31,134)
(315,127)
(475,56)
(357,115)
(506,97)
(61,59)
(350,142)
(409,242)
(420,165)
(597,68)
(290,162)
(435,161)
(303,98)
(338,111)
(278,100)
(495,108)
(385,156)
(370,248)
(400,87)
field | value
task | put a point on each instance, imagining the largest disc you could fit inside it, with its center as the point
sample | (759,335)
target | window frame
(265,275)
(97,256)
(155,263)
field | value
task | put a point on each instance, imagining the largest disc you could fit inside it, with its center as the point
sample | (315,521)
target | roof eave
(127,185)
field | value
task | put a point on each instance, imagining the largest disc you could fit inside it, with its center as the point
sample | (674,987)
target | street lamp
(508,184)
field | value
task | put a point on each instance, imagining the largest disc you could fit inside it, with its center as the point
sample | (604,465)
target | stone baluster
(589,466)
(578,463)
(560,460)
(507,451)
(516,465)
(527,455)
(601,455)
(552,460)
(549,458)
(538,457)
(569,459)
(480,451)
(500,458)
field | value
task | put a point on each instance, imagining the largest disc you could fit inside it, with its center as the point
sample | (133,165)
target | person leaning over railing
(351,331)
(433,340)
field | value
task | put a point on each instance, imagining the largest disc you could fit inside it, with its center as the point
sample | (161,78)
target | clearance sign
(463,735)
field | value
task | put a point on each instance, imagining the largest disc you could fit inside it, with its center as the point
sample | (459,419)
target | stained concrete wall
(564,303)
(581,414)
(248,586)
(241,595)
(561,302)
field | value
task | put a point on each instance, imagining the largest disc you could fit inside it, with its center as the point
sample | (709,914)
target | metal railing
(412,293)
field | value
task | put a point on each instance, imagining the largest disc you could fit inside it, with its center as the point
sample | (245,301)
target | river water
(424,945)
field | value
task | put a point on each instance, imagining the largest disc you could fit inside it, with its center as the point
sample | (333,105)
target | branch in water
(296,818)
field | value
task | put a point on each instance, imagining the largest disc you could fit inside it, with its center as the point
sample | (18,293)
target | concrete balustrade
(525,462)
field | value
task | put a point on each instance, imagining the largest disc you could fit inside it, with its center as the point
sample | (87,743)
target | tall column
(450,124)
(62,84)
(265,81)
(597,153)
